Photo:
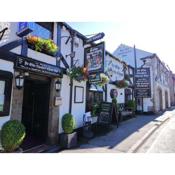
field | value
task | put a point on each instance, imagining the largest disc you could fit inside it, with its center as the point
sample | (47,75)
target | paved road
(127,138)
(165,140)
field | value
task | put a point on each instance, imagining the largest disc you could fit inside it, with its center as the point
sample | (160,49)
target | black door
(35,111)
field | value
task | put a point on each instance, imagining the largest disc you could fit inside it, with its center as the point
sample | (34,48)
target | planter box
(68,140)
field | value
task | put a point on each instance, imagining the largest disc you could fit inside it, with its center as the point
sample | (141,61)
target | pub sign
(94,58)
(142,83)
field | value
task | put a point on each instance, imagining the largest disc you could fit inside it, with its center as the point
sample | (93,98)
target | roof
(126,53)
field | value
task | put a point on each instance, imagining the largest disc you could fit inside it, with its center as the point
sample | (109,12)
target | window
(5,92)
(93,97)
(42,29)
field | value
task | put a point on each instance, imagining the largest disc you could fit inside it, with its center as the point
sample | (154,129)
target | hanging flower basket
(42,45)
(121,84)
(78,73)
(104,79)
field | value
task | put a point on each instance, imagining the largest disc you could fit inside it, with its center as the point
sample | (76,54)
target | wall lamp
(58,85)
(19,79)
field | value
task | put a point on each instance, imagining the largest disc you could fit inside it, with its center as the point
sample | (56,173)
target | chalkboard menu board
(143,83)
(105,114)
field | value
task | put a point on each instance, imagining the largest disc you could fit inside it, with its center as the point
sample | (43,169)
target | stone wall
(17,102)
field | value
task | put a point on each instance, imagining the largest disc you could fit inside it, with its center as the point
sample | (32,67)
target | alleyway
(128,138)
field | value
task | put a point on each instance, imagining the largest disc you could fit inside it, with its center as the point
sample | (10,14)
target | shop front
(34,100)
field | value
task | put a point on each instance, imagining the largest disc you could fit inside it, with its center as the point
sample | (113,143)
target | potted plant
(69,137)
(95,112)
(12,136)
(131,105)
(42,45)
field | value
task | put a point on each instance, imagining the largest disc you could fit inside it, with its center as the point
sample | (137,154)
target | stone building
(161,81)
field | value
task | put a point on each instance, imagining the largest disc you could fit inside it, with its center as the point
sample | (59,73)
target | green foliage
(68,123)
(121,84)
(12,135)
(43,45)
(96,108)
(78,73)
(131,104)
(104,79)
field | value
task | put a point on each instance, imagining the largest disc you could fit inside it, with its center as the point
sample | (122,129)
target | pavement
(163,141)
(128,138)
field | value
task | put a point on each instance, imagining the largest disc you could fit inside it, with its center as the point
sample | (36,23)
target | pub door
(35,112)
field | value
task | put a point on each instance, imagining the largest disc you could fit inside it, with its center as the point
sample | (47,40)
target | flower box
(46,46)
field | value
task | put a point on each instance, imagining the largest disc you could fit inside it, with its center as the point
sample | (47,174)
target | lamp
(58,85)
(19,79)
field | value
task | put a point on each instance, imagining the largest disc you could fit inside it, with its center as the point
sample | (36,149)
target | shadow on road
(112,137)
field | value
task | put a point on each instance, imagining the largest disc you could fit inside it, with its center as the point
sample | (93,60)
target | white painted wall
(78,109)
(41,57)
(121,94)
(10,34)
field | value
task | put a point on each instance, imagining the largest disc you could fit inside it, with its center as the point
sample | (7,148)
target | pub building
(35,83)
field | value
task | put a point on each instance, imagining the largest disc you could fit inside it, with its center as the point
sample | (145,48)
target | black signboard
(94,78)
(105,114)
(32,65)
(95,38)
(143,83)
(94,58)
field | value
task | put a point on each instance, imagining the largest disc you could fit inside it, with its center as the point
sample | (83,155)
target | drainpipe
(71,80)
(135,61)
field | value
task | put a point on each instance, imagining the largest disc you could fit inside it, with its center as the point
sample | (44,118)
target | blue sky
(155,37)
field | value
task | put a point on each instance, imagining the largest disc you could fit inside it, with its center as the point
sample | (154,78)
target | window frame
(7,77)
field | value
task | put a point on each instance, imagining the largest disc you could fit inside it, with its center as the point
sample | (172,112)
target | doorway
(166,99)
(35,111)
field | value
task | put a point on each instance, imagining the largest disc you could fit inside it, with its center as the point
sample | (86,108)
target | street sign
(142,83)
(95,38)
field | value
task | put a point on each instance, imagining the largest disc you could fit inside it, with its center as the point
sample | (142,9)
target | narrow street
(145,133)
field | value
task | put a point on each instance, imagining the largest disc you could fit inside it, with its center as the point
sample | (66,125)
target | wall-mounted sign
(114,69)
(113,93)
(23,29)
(143,83)
(94,78)
(57,101)
(32,65)
(94,58)
(95,38)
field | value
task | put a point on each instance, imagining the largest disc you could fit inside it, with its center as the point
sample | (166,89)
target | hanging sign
(94,78)
(95,38)
(94,58)
(143,83)
(32,65)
